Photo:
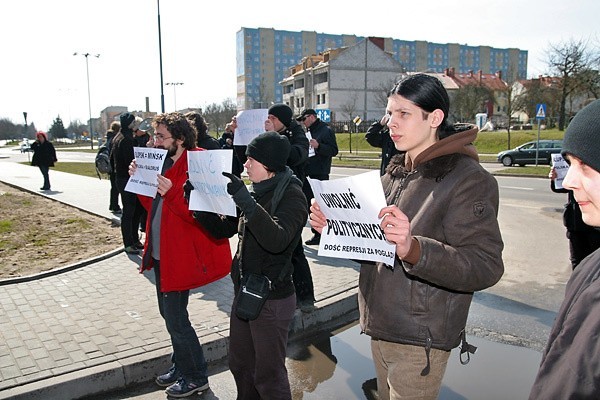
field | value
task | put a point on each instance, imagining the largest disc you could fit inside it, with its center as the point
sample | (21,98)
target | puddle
(339,366)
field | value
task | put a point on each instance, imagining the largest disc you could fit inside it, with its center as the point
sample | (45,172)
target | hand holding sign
(396,226)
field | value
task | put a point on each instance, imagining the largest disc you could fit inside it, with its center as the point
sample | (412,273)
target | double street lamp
(174,84)
(87,68)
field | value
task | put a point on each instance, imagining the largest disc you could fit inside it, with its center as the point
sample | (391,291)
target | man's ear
(437,116)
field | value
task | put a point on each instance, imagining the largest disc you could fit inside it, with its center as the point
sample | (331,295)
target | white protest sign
(561,167)
(311,150)
(210,186)
(250,123)
(149,163)
(351,206)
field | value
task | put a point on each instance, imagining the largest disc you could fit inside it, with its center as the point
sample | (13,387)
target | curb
(335,311)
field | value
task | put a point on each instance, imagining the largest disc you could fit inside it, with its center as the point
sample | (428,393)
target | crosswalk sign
(540,112)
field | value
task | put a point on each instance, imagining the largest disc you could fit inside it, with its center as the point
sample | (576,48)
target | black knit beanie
(582,138)
(270,149)
(283,112)
(126,121)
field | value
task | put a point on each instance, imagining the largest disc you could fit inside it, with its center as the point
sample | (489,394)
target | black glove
(235,184)
(241,196)
(187,189)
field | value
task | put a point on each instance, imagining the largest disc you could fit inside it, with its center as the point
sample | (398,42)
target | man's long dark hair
(428,93)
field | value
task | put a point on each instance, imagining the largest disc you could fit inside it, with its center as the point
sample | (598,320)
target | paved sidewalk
(97,327)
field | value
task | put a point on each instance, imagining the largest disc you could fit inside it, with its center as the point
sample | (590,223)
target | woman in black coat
(44,157)
(272,215)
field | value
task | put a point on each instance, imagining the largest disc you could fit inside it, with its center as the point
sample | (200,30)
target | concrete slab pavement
(97,328)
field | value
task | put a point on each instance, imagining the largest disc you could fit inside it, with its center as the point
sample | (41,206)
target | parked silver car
(525,153)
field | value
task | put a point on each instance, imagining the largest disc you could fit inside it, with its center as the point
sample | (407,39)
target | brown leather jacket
(452,204)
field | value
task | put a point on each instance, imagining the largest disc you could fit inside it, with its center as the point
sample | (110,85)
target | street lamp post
(87,69)
(174,84)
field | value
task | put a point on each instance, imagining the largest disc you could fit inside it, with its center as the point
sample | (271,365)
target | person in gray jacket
(442,217)
(570,367)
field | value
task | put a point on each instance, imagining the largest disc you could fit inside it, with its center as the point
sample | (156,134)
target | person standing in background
(142,139)
(114,207)
(324,145)
(204,141)
(280,119)
(44,157)
(122,156)
(226,142)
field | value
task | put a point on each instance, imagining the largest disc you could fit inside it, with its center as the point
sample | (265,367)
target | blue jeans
(44,169)
(188,356)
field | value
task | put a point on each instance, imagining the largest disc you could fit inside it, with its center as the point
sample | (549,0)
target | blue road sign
(540,111)
(324,115)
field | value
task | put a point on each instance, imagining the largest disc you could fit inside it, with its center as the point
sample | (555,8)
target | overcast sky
(40,75)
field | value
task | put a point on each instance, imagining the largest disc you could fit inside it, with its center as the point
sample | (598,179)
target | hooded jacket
(452,205)
(189,256)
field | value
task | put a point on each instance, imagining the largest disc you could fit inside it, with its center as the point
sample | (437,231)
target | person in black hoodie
(122,156)
(44,157)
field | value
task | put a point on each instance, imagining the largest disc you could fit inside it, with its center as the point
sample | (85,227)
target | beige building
(349,81)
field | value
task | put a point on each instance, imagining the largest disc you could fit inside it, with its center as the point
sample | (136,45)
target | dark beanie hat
(582,138)
(126,120)
(283,112)
(270,149)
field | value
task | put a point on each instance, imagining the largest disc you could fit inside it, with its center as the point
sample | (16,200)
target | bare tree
(569,60)
(349,107)
(217,115)
(469,100)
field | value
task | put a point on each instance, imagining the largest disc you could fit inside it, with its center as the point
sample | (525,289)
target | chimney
(147,104)
(480,73)
(499,74)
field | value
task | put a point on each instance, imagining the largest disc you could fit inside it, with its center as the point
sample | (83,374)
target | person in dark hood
(442,217)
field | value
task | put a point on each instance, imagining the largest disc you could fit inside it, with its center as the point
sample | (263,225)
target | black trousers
(130,219)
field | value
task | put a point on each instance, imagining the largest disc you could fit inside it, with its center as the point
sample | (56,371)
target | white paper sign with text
(149,163)
(210,186)
(561,167)
(250,123)
(351,206)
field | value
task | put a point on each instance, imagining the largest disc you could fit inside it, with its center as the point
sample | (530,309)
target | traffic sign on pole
(540,111)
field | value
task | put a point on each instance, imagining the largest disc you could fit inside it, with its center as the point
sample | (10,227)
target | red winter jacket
(189,256)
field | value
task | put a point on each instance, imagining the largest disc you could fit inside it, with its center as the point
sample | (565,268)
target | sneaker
(306,306)
(139,245)
(116,210)
(168,378)
(183,388)
(315,240)
(131,250)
